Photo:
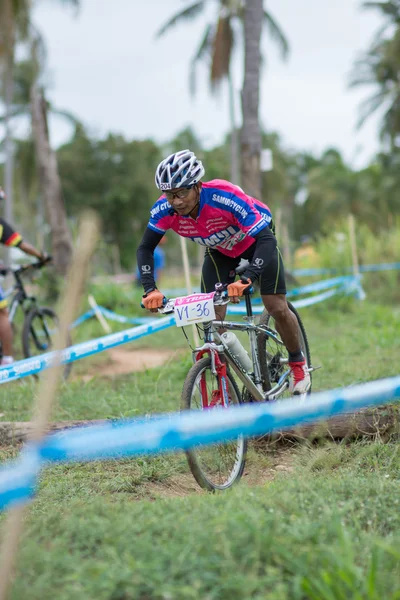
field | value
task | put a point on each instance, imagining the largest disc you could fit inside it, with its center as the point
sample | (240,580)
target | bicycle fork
(220,396)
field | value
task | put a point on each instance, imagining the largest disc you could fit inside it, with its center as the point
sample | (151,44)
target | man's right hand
(153,300)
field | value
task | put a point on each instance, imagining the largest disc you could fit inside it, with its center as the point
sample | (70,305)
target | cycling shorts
(218,267)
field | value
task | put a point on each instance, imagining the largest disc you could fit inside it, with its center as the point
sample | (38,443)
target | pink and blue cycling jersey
(228,219)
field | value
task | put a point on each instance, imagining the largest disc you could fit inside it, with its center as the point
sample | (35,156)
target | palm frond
(16,111)
(65,114)
(391,9)
(222,51)
(204,48)
(369,106)
(187,14)
(276,34)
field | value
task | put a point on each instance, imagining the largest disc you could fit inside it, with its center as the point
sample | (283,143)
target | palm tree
(216,47)
(380,67)
(16,25)
(251,132)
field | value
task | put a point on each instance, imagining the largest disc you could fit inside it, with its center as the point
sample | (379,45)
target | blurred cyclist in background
(10,237)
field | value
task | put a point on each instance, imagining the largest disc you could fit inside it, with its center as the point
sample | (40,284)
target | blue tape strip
(31,366)
(350,285)
(184,430)
(122,318)
(85,317)
(363,269)
(321,285)
(112,316)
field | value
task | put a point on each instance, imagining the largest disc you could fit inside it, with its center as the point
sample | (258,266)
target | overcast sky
(105,65)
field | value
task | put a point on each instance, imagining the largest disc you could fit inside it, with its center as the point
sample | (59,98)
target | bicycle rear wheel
(216,466)
(273,355)
(40,325)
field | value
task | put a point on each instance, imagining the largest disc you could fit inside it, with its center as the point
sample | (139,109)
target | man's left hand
(236,290)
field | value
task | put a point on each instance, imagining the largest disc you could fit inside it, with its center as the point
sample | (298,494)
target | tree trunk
(8,146)
(50,184)
(251,133)
(380,422)
(235,175)
(8,81)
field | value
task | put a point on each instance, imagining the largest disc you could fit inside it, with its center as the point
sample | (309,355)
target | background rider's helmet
(181,169)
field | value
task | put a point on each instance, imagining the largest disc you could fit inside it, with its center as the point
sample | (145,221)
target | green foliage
(114,177)
(317,537)
(326,530)
(379,66)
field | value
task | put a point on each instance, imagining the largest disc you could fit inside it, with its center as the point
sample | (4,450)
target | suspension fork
(220,396)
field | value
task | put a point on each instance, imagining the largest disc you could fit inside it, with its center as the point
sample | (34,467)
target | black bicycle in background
(39,323)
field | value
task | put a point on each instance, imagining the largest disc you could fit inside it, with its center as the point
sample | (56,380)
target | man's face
(183,200)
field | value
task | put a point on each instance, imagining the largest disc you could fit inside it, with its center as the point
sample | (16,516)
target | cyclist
(231,225)
(10,237)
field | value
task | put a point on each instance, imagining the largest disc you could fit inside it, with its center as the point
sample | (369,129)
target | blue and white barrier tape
(312,287)
(325,284)
(34,365)
(181,431)
(332,270)
(346,285)
(317,286)
(31,366)
(122,318)
(112,316)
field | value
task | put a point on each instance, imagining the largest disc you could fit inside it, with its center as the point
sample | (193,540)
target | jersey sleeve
(160,216)
(8,236)
(250,214)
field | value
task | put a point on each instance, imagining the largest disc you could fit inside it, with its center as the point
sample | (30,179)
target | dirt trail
(122,362)
(256,473)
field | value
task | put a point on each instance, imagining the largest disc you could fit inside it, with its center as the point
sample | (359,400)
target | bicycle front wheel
(40,326)
(217,466)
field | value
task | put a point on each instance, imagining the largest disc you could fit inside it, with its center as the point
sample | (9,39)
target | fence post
(353,245)
(99,315)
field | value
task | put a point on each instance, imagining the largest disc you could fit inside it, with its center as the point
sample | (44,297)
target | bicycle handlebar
(220,299)
(24,268)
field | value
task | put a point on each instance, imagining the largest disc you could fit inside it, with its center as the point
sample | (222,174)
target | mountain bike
(39,322)
(212,381)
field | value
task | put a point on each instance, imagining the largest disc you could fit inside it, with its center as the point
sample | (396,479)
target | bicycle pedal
(311,369)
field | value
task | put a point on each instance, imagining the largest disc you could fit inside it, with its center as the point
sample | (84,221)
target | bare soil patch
(122,362)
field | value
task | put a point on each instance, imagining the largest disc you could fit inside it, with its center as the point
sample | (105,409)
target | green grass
(325,528)
(311,535)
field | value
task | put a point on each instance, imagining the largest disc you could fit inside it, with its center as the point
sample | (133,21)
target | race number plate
(195,308)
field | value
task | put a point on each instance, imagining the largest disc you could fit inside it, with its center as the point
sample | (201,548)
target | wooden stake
(353,245)
(189,290)
(48,386)
(99,315)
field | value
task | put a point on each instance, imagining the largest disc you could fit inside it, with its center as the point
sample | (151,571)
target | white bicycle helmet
(181,169)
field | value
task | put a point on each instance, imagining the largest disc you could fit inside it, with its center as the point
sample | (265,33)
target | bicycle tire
(268,378)
(28,337)
(195,461)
